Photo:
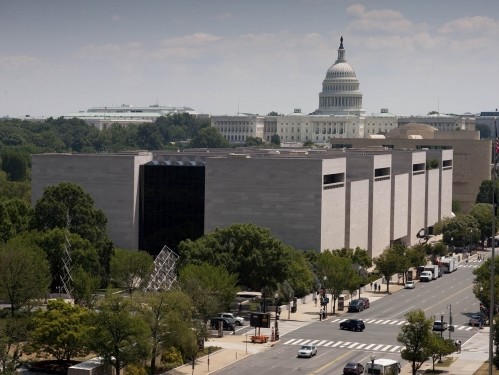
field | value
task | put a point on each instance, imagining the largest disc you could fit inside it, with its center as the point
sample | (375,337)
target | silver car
(307,351)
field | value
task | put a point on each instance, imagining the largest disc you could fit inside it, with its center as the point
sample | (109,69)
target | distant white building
(441,122)
(104,117)
(380,123)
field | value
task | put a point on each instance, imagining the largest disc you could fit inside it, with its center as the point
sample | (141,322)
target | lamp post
(451,327)
(442,324)
(493,260)
(325,296)
(360,286)
(471,240)
(373,357)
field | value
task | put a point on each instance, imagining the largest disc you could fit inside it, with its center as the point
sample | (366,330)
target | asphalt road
(383,321)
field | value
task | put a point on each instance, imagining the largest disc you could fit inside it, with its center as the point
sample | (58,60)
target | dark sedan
(353,368)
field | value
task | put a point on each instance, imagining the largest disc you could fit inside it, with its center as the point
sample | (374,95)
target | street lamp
(493,259)
(360,286)
(373,357)
(325,296)
(451,327)
(442,324)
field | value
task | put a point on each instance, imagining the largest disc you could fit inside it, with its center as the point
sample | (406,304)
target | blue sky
(221,56)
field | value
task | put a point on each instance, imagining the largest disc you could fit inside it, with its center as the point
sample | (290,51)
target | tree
(485,191)
(209,138)
(131,269)
(440,347)
(211,288)
(253,142)
(117,335)
(337,271)
(308,143)
(416,256)
(482,212)
(484,130)
(275,140)
(168,315)
(15,164)
(357,256)
(388,263)
(54,243)
(260,260)
(84,285)
(301,278)
(416,337)
(61,330)
(149,137)
(481,283)
(67,206)
(13,336)
(460,230)
(24,274)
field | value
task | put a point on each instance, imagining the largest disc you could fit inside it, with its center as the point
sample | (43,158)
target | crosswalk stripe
(345,344)
(337,343)
(298,342)
(394,322)
(361,346)
(369,346)
(289,342)
(378,346)
(394,349)
(313,342)
(304,342)
(328,343)
(386,348)
(370,320)
(353,345)
(321,343)
(377,322)
(336,320)
(400,323)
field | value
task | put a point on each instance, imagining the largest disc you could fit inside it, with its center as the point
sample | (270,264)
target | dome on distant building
(413,131)
(340,89)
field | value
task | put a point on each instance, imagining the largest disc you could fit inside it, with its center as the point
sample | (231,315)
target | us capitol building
(340,114)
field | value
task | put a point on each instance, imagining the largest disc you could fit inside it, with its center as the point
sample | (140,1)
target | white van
(382,366)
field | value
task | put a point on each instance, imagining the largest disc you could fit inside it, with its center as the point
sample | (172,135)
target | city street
(450,293)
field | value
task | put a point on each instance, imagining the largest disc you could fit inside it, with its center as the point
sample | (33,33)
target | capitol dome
(342,69)
(340,89)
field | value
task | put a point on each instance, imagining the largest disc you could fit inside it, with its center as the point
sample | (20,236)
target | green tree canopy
(275,140)
(209,138)
(168,315)
(67,206)
(14,332)
(253,142)
(15,164)
(388,264)
(416,336)
(61,330)
(131,269)
(485,191)
(337,271)
(260,260)
(461,230)
(211,288)
(117,335)
(24,274)
(482,212)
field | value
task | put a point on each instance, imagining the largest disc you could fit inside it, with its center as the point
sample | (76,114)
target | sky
(256,56)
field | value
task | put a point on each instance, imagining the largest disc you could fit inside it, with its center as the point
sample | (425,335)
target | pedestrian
(371,285)
(379,288)
(375,286)
(315,301)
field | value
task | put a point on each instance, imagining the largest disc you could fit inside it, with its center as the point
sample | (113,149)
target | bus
(382,366)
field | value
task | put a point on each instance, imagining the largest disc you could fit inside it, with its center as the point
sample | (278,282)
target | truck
(426,276)
(448,264)
(382,366)
(434,269)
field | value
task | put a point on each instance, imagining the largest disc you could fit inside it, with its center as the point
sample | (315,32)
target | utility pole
(451,327)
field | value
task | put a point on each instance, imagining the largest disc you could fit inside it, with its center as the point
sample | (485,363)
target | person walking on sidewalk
(375,286)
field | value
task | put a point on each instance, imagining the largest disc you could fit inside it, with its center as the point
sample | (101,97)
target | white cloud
(197,39)
(110,51)
(471,25)
(385,20)
(17,62)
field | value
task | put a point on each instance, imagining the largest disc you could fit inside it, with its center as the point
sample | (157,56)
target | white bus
(382,366)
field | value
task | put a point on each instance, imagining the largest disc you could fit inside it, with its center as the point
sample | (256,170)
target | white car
(307,351)
(409,285)
(238,319)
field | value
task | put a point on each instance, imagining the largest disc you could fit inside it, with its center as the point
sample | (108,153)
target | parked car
(439,326)
(239,320)
(356,305)
(409,285)
(353,368)
(353,325)
(367,304)
(226,323)
(307,351)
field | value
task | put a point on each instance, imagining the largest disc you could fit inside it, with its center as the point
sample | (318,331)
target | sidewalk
(237,347)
